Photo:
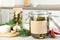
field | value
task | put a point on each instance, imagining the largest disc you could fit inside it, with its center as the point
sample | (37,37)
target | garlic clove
(16,27)
(5,29)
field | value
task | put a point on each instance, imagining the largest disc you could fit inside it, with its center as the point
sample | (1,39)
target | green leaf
(24,33)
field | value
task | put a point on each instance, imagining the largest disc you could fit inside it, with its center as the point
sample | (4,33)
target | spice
(17,15)
(53,33)
(26,3)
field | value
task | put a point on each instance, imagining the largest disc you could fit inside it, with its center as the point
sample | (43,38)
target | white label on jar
(39,27)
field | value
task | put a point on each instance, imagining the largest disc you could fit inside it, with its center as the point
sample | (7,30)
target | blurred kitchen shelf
(41,7)
(6,7)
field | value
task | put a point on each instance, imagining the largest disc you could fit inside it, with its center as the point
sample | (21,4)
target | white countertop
(25,38)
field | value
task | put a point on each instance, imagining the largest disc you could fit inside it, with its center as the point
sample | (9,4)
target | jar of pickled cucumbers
(39,24)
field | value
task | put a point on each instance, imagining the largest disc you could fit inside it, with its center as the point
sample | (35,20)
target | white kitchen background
(7,13)
(12,3)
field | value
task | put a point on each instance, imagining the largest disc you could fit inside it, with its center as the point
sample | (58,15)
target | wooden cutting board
(11,34)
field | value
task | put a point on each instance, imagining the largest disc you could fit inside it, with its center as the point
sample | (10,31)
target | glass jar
(26,3)
(39,24)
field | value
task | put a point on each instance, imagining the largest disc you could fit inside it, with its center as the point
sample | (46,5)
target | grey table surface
(25,38)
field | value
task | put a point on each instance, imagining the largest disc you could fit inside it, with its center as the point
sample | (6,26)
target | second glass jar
(39,24)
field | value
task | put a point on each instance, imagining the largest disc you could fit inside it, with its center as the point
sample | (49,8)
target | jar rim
(33,13)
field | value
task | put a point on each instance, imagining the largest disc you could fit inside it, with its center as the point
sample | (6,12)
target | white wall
(49,2)
(5,15)
(20,2)
(7,3)
(0,2)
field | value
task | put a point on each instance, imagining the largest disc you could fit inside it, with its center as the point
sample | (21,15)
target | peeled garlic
(5,29)
(16,27)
